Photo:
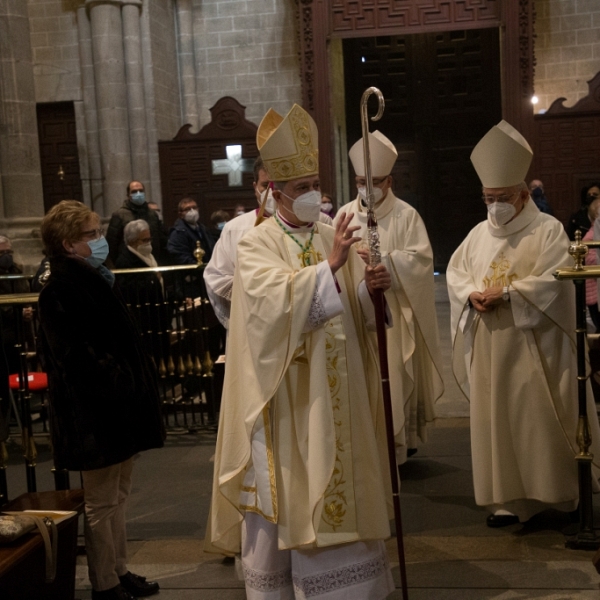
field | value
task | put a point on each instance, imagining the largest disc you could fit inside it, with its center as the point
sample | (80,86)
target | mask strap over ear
(261,211)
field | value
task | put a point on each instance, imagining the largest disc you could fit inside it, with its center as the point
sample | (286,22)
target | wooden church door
(442,93)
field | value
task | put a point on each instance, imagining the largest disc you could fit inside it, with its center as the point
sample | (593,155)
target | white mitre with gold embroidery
(502,157)
(289,146)
(383,155)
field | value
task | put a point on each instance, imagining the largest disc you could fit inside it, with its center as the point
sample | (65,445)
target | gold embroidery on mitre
(500,276)
(289,149)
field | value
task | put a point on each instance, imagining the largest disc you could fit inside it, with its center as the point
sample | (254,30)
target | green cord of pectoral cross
(307,249)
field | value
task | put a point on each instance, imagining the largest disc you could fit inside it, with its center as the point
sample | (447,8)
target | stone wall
(55,50)
(567,49)
(246,49)
(163,61)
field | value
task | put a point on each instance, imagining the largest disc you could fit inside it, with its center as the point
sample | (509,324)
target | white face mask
(326,207)
(500,213)
(191,216)
(377,192)
(271,205)
(145,249)
(307,207)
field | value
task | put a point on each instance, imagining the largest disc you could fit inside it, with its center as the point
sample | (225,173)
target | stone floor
(450,553)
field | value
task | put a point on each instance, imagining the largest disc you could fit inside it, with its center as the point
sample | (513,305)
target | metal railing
(178,328)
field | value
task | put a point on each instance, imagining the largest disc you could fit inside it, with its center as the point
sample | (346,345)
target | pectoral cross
(310,256)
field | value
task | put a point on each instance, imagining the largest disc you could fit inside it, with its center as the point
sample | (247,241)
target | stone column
(92,184)
(111,99)
(135,90)
(187,70)
(20,171)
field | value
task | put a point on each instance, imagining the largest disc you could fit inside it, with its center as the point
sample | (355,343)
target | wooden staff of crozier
(379,301)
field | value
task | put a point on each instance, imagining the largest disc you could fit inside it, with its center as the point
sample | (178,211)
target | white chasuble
(517,365)
(218,273)
(304,382)
(415,363)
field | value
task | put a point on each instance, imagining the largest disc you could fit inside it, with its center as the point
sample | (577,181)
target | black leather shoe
(116,593)
(411,452)
(137,585)
(501,520)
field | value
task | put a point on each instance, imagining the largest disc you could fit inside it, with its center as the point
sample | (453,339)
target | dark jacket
(182,243)
(131,212)
(143,294)
(579,220)
(104,401)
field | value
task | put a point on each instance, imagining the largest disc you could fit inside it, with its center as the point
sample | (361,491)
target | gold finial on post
(45,275)
(199,253)
(578,250)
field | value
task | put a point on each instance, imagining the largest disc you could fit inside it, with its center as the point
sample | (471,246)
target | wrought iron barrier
(179,330)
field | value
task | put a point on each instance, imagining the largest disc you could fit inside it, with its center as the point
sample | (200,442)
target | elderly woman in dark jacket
(144,291)
(104,402)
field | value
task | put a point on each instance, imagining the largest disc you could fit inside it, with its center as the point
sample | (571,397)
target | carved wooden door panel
(442,93)
(59,157)
(213,166)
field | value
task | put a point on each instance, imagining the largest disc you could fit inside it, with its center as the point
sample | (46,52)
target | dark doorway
(57,135)
(442,93)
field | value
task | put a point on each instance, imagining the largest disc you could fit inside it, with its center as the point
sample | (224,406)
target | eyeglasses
(92,234)
(593,195)
(501,198)
(185,210)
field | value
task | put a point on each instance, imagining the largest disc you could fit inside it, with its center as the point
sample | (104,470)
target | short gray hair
(133,229)
(5,240)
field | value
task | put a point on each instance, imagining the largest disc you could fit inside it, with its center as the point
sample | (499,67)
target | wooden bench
(22,563)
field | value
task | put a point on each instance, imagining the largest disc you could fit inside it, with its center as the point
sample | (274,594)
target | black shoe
(137,585)
(501,520)
(116,593)
(411,452)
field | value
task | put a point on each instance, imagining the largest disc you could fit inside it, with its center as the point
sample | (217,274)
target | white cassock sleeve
(218,276)
(326,302)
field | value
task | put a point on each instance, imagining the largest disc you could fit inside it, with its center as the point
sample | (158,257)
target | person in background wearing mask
(219,272)
(136,207)
(142,288)
(536,189)
(239,210)
(513,328)
(581,219)
(186,231)
(327,205)
(218,220)
(415,359)
(300,483)
(104,400)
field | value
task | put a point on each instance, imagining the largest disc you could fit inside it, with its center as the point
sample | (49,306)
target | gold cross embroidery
(310,256)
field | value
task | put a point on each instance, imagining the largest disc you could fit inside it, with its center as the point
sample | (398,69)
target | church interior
(97,93)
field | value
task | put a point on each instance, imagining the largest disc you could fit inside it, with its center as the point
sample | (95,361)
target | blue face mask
(99,250)
(138,198)
(221,225)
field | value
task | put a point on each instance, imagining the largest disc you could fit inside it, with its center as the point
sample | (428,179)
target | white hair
(133,229)
(5,240)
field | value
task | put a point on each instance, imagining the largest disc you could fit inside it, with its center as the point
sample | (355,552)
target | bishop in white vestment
(414,357)
(218,273)
(513,328)
(299,483)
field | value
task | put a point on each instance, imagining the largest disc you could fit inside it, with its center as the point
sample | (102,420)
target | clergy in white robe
(218,273)
(513,337)
(299,485)
(414,357)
